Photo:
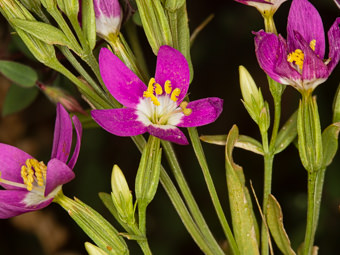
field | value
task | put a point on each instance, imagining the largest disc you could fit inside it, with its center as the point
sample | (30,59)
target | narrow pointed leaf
(287,134)
(330,143)
(275,224)
(18,73)
(241,208)
(89,22)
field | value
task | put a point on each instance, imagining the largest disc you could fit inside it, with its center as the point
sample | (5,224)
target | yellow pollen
(175,93)
(167,87)
(186,111)
(297,56)
(151,86)
(312,44)
(158,89)
(33,171)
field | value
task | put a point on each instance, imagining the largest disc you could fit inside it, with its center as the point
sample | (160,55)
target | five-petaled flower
(31,185)
(157,108)
(299,61)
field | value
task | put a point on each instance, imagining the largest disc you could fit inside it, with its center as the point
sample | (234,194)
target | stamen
(186,111)
(297,56)
(33,171)
(168,87)
(175,93)
(151,86)
(15,184)
(312,44)
(158,89)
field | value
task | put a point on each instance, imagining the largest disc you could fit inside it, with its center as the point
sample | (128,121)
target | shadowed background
(220,48)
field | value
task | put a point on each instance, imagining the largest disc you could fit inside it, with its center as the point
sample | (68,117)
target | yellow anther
(158,89)
(186,111)
(312,44)
(297,56)
(175,93)
(33,170)
(167,87)
(154,100)
(151,86)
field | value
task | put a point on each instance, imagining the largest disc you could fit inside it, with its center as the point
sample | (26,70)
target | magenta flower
(157,108)
(263,6)
(299,61)
(31,185)
(108,17)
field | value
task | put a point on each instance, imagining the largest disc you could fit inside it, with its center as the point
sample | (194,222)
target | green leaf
(240,204)
(18,73)
(45,32)
(336,106)
(275,224)
(18,98)
(287,133)
(330,143)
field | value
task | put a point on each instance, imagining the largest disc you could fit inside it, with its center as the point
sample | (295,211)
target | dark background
(221,47)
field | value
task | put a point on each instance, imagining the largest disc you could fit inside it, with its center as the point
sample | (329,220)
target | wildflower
(299,61)
(157,108)
(31,185)
(108,17)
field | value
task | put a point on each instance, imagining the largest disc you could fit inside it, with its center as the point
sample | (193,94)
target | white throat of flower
(158,107)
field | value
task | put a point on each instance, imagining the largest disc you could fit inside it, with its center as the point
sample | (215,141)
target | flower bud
(121,196)
(94,250)
(58,95)
(252,96)
(108,17)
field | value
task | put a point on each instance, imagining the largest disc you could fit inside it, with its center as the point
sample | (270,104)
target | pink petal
(58,173)
(62,135)
(79,132)
(11,160)
(169,133)
(305,19)
(121,82)
(334,44)
(121,122)
(11,203)
(204,111)
(172,65)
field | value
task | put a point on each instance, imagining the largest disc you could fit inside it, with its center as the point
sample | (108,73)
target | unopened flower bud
(121,196)
(108,17)
(58,95)
(93,249)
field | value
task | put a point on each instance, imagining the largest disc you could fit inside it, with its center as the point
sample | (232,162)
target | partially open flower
(108,17)
(30,184)
(157,108)
(299,61)
(265,7)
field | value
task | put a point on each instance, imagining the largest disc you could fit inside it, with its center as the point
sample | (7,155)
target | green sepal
(244,142)
(18,98)
(148,172)
(89,22)
(94,225)
(275,224)
(239,199)
(46,33)
(287,133)
(330,143)
(264,118)
(309,134)
(69,7)
(19,73)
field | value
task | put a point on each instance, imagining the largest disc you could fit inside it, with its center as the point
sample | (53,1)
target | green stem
(179,205)
(197,146)
(268,168)
(276,124)
(310,233)
(142,217)
(318,195)
(143,244)
(189,198)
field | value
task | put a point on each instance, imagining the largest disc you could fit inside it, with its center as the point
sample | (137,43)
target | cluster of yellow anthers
(155,88)
(298,56)
(33,170)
